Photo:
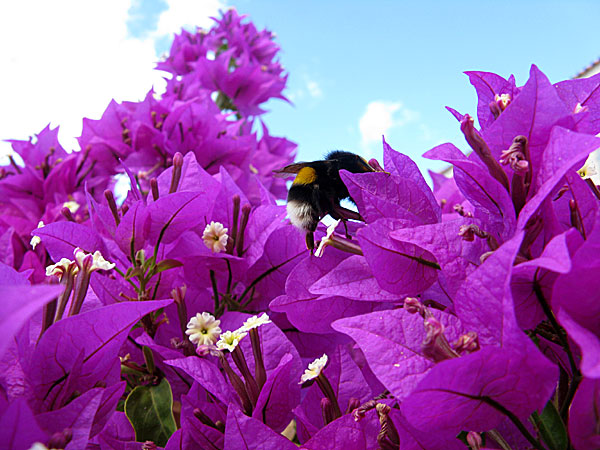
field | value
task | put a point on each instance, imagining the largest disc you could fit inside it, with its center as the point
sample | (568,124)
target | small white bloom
(203,329)
(72,205)
(215,237)
(502,100)
(99,263)
(60,268)
(314,369)
(588,170)
(579,108)
(36,239)
(326,239)
(230,339)
(255,321)
(38,446)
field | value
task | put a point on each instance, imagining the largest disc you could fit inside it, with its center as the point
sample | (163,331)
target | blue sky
(357,69)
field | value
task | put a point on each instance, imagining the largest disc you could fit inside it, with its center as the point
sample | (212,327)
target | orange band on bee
(306,175)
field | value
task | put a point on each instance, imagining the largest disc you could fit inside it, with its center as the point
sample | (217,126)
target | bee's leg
(310,241)
(345,213)
(346,229)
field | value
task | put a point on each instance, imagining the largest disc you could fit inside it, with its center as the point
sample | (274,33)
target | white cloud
(310,89)
(65,60)
(380,117)
(188,13)
(314,90)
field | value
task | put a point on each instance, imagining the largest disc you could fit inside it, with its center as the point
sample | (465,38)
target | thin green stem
(213,281)
(515,420)
(557,328)
(127,280)
(264,275)
(564,408)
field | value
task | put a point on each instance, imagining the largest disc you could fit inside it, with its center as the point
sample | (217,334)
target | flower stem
(564,408)
(213,280)
(514,419)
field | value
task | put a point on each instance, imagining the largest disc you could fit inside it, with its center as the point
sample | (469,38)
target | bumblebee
(318,190)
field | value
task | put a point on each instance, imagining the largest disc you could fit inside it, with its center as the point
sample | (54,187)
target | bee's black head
(349,161)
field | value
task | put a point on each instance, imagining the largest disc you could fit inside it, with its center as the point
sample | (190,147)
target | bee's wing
(289,170)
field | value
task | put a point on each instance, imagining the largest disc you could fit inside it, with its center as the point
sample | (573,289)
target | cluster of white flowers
(63,266)
(99,263)
(204,329)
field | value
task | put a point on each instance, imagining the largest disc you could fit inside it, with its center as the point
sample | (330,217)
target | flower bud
(516,155)
(467,343)
(353,404)
(112,205)
(412,305)
(435,344)
(474,440)
(327,411)
(60,439)
(176,174)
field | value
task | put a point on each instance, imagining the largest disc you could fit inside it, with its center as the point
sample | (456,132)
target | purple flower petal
(484,303)
(98,334)
(409,269)
(78,416)
(19,304)
(380,195)
(456,257)
(492,202)
(488,85)
(392,342)
(353,278)
(18,428)
(61,238)
(279,396)
(532,114)
(583,415)
(405,168)
(583,93)
(346,433)
(245,433)
(173,214)
(207,375)
(459,394)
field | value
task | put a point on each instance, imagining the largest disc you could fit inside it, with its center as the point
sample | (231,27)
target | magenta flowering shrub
(190,315)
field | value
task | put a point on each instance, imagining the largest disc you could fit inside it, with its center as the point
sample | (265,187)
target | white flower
(580,108)
(255,321)
(215,237)
(230,339)
(38,446)
(36,239)
(588,170)
(502,100)
(203,329)
(314,369)
(99,263)
(326,239)
(72,205)
(60,268)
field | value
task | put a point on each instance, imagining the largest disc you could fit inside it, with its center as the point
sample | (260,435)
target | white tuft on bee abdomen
(301,214)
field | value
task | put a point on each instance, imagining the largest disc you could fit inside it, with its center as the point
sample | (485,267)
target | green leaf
(551,427)
(167,264)
(150,411)
(133,272)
